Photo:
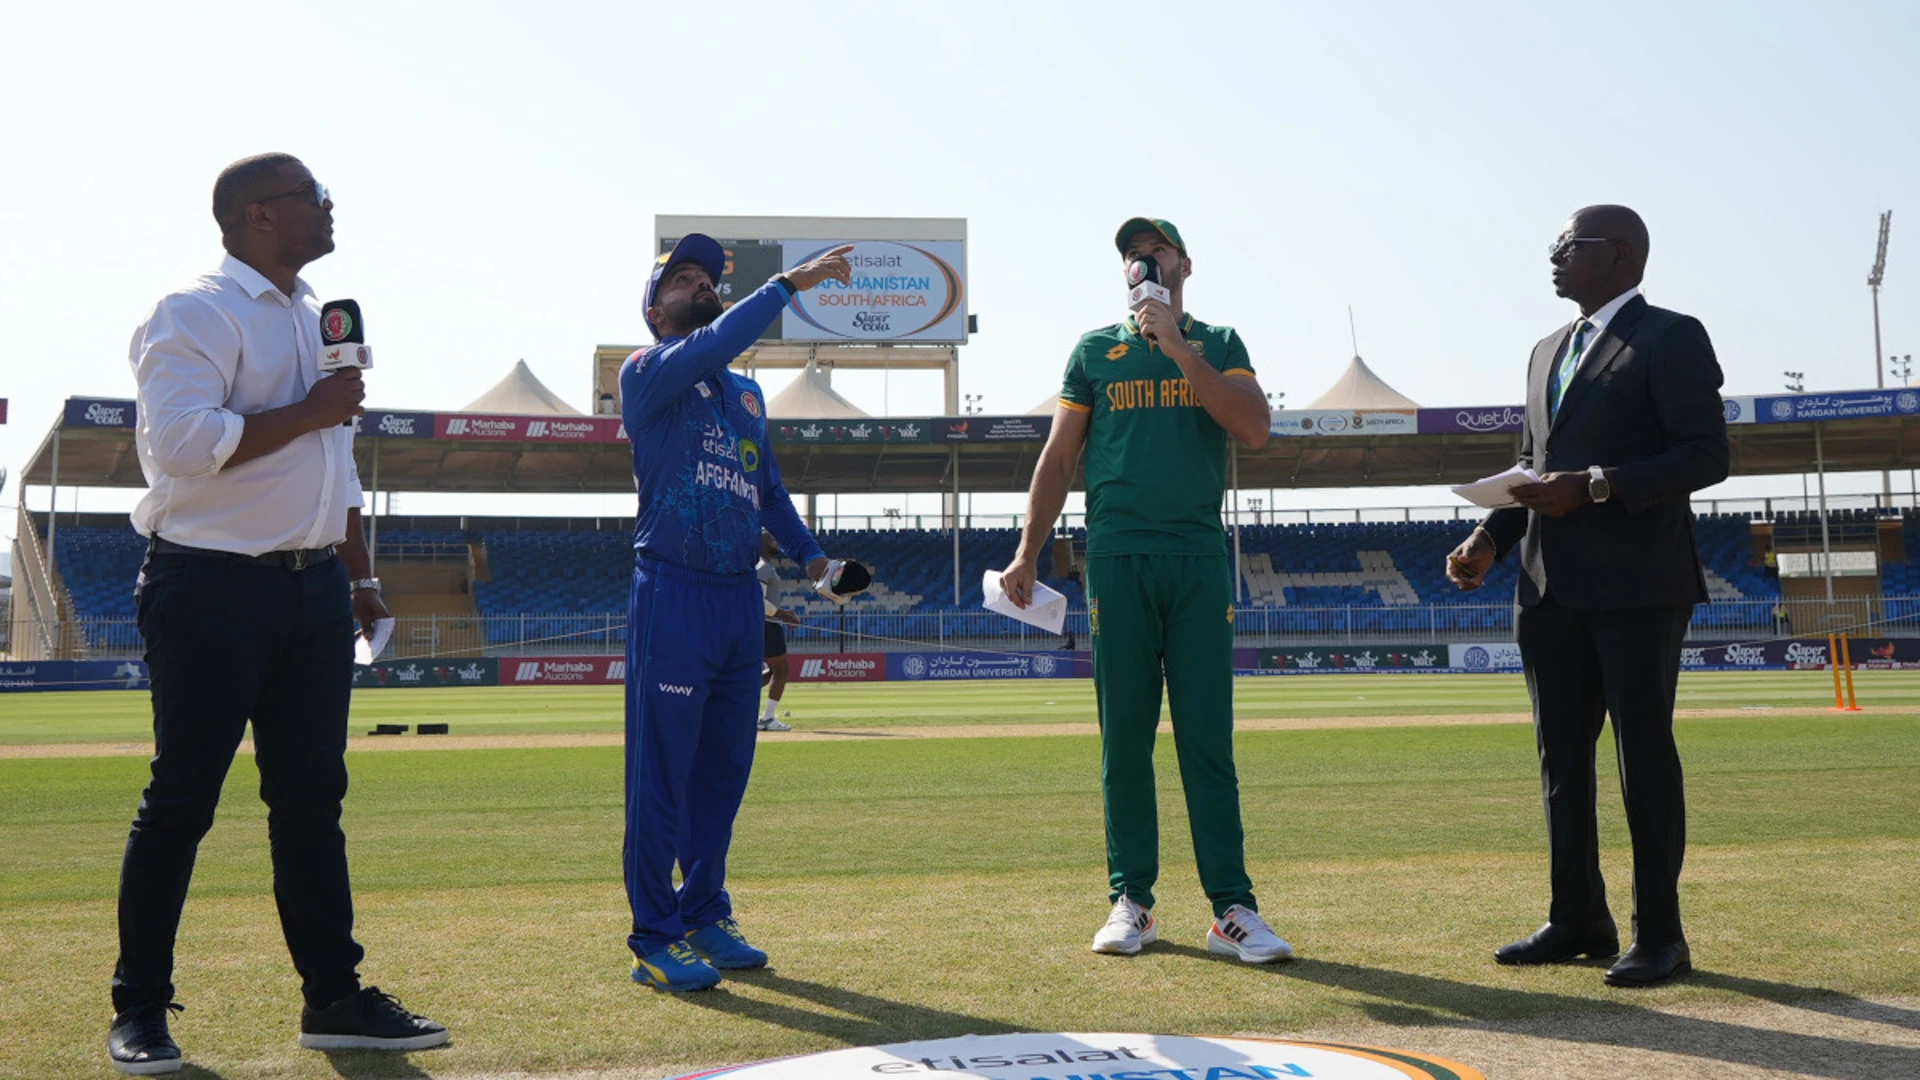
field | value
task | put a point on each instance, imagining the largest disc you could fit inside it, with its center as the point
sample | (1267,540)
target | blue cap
(693,247)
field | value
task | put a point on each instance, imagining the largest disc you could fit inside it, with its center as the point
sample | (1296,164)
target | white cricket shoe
(1243,933)
(1129,928)
(768,723)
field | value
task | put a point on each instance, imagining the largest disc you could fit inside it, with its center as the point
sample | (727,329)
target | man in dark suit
(1624,423)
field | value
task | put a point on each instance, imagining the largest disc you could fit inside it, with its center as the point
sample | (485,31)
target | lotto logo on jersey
(841,667)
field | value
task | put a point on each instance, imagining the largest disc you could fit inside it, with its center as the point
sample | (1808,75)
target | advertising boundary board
(1355,659)
(563,670)
(24,676)
(948,666)
(1470,658)
(402,674)
(837,667)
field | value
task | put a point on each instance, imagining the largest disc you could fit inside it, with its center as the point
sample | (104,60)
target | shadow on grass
(843,1015)
(375,1065)
(1424,1000)
(1832,1003)
(190,1071)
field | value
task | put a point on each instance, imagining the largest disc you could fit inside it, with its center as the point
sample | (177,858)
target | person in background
(777,619)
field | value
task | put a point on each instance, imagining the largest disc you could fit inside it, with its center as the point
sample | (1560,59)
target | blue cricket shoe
(725,946)
(676,969)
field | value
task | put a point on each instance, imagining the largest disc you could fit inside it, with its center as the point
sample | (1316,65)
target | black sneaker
(367,1020)
(139,1042)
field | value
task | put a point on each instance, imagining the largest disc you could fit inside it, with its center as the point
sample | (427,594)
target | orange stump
(1846,666)
(1833,662)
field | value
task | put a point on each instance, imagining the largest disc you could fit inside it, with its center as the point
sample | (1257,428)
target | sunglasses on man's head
(316,191)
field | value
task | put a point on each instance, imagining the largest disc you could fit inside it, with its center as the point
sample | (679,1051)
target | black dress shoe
(1650,965)
(139,1043)
(368,1020)
(1557,945)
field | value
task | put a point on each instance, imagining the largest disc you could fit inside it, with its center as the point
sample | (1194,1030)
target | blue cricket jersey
(702,458)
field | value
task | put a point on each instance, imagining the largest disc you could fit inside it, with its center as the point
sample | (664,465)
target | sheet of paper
(1048,610)
(1496,492)
(363,650)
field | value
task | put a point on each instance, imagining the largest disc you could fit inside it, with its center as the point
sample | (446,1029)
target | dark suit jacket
(1646,402)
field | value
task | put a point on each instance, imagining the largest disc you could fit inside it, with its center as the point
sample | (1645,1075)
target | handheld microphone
(1143,281)
(343,337)
(343,340)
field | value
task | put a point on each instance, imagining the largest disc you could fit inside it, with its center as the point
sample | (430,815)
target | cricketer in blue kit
(703,464)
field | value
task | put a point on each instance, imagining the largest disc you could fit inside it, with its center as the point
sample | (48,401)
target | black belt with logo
(292,560)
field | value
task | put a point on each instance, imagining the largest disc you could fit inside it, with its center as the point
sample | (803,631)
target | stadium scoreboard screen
(909,274)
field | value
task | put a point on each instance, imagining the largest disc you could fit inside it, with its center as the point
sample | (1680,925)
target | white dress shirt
(222,347)
(1599,320)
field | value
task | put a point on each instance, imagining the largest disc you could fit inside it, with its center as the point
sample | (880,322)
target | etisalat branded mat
(1031,1056)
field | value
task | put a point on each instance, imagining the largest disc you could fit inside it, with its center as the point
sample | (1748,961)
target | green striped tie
(1563,375)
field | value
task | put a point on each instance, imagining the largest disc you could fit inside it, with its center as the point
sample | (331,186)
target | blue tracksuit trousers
(694,640)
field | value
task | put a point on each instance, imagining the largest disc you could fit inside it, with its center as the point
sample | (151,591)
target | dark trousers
(1583,666)
(228,642)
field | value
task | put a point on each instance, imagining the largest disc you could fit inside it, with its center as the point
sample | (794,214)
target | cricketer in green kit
(1153,400)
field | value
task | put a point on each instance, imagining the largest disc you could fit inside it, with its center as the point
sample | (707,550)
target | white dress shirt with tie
(1587,331)
(222,347)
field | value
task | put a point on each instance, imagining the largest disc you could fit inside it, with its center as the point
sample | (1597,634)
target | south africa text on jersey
(719,476)
(1151,394)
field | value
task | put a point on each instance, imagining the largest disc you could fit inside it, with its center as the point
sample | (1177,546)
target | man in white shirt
(256,572)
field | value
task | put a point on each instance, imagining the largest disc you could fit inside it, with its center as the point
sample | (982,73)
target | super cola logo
(1806,654)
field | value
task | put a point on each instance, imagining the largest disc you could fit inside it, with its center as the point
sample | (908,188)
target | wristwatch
(364,583)
(1599,488)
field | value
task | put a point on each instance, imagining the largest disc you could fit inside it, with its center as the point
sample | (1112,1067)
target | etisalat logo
(1037,1056)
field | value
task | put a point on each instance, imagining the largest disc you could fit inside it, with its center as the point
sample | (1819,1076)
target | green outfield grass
(914,888)
(122,716)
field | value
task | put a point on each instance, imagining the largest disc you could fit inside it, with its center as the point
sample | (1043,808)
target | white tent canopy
(1046,406)
(809,397)
(1360,388)
(521,393)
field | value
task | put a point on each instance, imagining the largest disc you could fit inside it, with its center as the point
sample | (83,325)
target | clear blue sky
(497,169)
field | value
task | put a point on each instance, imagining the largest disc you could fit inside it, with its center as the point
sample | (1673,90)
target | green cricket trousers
(1151,614)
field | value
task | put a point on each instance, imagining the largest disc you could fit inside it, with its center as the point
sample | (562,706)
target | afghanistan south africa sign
(1038,1056)
(909,281)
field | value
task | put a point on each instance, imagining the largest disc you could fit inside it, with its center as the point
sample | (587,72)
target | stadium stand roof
(811,397)
(521,393)
(1359,388)
(472,452)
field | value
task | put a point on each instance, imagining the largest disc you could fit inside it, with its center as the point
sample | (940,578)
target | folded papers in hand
(1048,610)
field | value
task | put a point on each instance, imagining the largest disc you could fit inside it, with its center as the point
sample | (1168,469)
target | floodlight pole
(1874,277)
